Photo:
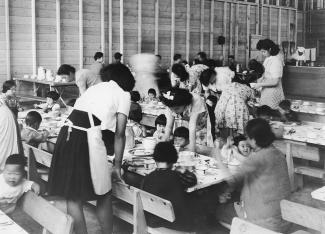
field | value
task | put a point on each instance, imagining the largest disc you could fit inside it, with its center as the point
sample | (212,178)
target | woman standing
(271,82)
(74,173)
(264,179)
(190,107)
(231,111)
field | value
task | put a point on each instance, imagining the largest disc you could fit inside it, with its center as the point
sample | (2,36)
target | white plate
(140,152)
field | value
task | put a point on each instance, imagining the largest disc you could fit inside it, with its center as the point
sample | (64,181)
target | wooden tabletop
(7,225)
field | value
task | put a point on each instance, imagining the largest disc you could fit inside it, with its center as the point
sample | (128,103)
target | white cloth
(105,100)
(273,67)
(8,135)
(9,195)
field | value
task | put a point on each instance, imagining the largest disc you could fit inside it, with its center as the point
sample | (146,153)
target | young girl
(152,95)
(190,107)
(8,96)
(160,124)
(235,151)
(12,183)
(51,103)
(135,115)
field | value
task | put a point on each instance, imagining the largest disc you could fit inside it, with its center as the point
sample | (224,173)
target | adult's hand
(116,174)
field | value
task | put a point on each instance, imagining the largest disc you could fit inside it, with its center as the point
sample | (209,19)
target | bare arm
(269,83)
(192,131)
(119,143)
(169,126)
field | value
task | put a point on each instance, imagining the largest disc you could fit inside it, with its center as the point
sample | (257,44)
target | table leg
(34,89)
(289,160)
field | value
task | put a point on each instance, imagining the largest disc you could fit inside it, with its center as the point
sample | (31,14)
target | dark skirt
(70,170)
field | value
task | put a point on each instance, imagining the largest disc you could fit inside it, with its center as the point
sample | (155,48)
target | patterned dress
(194,80)
(272,96)
(232,110)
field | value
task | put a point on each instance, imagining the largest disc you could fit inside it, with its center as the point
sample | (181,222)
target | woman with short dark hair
(75,173)
(264,176)
(271,82)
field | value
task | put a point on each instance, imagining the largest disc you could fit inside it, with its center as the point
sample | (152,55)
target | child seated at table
(135,115)
(51,103)
(152,95)
(235,151)
(160,124)
(181,142)
(13,184)
(9,97)
(30,134)
(170,185)
(267,113)
(286,114)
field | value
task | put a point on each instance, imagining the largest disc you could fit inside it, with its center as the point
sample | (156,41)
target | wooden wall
(155,26)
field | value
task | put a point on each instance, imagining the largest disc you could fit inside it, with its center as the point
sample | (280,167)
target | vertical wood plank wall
(192,30)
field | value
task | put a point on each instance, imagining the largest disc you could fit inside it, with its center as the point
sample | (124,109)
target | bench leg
(299,181)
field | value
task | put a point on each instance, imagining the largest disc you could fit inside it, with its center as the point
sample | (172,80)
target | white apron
(100,168)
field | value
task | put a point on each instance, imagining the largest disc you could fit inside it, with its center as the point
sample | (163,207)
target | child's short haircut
(213,99)
(7,85)
(264,110)
(16,159)
(238,139)
(153,91)
(53,94)
(98,55)
(135,96)
(285,105)
(135,113)
(33,117)
(66,69)
(165,152)
(177,56)
(161,120)
(182,132)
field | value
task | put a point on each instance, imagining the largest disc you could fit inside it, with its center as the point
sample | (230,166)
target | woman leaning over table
(190,107)
(264,178)
(271,82)
(74,174)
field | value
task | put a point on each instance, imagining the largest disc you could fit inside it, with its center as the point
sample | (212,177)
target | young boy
(160,124)
(30,133)
(170,185)
(13,184)
(287,115)
(9,96)
(51,104)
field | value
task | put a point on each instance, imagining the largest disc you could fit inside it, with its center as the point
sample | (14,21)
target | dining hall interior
(162,116)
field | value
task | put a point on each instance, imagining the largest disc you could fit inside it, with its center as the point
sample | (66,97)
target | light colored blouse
(105,100)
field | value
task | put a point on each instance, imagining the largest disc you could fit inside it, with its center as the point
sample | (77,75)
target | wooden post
(270,24)
(122,29)
(236,30)
(296,22)
(110,32)
(224,28)
(172,41)
(248,23)
(188,20)
(279,26)
(231,23)
(81,44)
(58,33)
(7,29)
(139,25)
(34,65)
(304,23)
(211,28)
(257,29)
(156,26)
(288,33)
(202,26)
(262,18)
(102,26)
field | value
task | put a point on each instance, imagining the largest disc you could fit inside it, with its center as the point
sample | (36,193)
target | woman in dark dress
(72,176)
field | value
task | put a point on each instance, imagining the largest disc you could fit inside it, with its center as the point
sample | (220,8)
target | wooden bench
(133,202)
(240,226)
(302,215)
(303,151)
(48,216)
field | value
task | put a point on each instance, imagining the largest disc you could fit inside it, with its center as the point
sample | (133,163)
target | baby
(30,133)
(13,184)
(51,103)
(160,124)
(235,151)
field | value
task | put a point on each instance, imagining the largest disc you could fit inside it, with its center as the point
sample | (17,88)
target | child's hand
(36,188)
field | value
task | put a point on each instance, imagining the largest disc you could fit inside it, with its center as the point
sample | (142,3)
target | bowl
(149,143)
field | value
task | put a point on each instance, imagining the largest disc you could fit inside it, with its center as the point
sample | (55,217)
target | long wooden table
(8,226)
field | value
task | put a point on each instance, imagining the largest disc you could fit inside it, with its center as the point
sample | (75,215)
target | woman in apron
(96,128)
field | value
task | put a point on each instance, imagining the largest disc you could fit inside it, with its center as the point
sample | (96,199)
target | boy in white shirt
(13,184)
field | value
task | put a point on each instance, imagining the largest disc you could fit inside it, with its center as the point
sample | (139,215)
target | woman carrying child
(190,107)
